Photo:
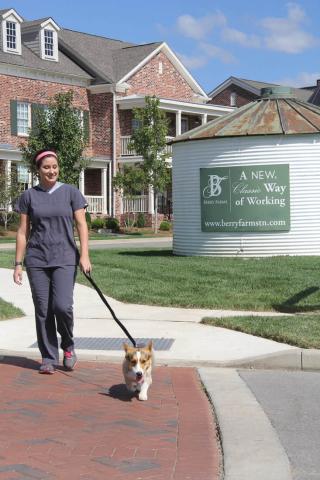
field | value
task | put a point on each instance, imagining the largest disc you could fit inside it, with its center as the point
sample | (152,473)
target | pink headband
(47,153)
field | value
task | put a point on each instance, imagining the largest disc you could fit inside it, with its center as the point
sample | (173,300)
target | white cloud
(287,34)
(217,52)
(199,28)
(303,79)
(193,62)
(236,36)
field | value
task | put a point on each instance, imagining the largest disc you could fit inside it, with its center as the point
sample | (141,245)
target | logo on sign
(213,189)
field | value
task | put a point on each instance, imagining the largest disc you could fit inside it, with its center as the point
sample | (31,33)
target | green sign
(245,199)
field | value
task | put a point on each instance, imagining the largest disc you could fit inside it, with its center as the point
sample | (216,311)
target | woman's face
(49,171)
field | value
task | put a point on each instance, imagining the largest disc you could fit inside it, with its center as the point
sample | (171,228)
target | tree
(130,181)
(10,189)
(149,141)
(61,127)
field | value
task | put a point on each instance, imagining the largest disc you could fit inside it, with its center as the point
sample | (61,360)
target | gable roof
(255,87)
(101,59)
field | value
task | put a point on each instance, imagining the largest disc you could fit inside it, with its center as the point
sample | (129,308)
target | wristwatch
(16,264)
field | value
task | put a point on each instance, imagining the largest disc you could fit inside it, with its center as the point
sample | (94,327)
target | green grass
(7,310)
(157,277)
(299,330)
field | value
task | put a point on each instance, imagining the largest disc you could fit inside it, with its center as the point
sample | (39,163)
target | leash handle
(97,289)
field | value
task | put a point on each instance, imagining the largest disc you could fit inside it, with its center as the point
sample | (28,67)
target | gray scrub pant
(52,293)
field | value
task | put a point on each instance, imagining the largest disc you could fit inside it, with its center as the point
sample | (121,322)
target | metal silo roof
(277,112)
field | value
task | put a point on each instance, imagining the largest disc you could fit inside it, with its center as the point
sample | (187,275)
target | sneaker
(47,369)
(69,360)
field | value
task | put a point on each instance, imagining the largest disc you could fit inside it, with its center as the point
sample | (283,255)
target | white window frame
(28,109)
(11,18)
(54,57)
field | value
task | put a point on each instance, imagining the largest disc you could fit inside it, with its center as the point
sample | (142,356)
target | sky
(270,41)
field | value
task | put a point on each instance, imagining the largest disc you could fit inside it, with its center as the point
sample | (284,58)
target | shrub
(165,225)
(13,219)
(97,223)
(3,233)
(112,224)
(141,220)
(88,220)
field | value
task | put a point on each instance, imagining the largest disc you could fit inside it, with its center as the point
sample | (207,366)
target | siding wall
(302,153)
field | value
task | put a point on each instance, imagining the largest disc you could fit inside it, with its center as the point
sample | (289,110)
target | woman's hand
(85,264)
(17,275)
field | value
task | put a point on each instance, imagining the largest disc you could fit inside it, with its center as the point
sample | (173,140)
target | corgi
(137,367)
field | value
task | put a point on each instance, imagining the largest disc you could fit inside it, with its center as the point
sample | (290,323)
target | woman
(51,257)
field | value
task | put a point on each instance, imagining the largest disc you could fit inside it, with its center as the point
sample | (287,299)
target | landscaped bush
(97,223)
(165,225)
(13,220)
(112,224)
(141,220)
(88,220)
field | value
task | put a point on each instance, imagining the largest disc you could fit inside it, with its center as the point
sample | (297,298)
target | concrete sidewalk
(192,343)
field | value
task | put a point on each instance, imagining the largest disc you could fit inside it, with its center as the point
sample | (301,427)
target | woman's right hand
(17,275)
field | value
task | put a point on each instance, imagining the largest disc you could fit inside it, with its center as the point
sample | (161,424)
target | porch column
(178,122)
(81,182)
(204,118)
(151,200)
(104,190)
(8,178)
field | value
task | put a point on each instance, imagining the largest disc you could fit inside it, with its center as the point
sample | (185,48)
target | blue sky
(275,41)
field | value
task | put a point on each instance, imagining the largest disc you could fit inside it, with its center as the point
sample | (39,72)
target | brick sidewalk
(83,425)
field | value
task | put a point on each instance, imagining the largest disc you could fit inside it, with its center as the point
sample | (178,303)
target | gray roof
(114,58)
(5,10)
(34,23)
(303,94)
(101,59)
(29,59)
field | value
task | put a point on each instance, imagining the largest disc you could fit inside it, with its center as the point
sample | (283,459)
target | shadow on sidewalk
(119,392)
(22,362)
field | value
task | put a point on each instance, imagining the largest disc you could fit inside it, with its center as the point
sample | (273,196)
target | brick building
(108,78)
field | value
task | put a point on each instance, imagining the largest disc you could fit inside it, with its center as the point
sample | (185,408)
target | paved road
(291,401)
(165,242)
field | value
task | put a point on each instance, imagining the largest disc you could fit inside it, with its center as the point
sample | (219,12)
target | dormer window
(49,40)
(48,43)
(11,35)
(233,99)
(11,32)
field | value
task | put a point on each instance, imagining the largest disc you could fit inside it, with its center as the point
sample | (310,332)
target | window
(23,118)
(11,32)
(48,43)
(160,68)
(135,124)
(233,99)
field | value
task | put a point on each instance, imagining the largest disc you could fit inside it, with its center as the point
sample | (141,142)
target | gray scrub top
(51,242)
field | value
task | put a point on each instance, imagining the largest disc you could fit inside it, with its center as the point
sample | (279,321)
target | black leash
(97,289)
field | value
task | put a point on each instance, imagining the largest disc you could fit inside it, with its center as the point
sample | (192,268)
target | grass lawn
(299,330)
(156,277)
(7,310)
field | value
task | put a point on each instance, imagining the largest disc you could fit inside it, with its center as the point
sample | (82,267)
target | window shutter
(36,109)
(13,117)
(86,127)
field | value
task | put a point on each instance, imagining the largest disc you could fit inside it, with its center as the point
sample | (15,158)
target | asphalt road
(291,400)
(165,242)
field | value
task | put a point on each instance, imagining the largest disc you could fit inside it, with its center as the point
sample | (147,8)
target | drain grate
(101,343)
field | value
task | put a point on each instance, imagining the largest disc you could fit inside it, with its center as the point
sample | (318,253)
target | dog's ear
(125,347)
(150,345)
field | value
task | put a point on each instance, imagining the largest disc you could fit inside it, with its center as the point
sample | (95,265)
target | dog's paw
(143,396)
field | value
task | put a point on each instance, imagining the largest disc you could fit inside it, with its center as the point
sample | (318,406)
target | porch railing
(95,204)
(137,204)
(126,152)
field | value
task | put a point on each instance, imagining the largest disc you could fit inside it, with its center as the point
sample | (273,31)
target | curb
(294,359)
(251,446)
